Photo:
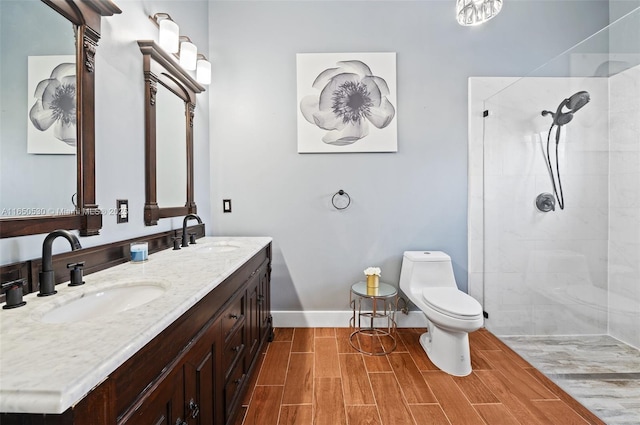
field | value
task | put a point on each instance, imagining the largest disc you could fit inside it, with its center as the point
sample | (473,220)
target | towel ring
(341,193)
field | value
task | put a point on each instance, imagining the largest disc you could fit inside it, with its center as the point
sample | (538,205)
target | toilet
(426,277)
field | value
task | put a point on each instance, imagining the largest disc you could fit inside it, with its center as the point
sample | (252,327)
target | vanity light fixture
(169,32)
(182,47)
(203,70)
(476,12)
(188,53)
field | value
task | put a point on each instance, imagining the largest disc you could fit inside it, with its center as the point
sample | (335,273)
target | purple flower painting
(344,105)
(52,113)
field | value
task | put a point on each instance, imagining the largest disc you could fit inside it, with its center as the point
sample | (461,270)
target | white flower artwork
(347,102)
(51,123)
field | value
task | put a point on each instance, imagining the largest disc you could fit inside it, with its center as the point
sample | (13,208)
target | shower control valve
(546,202)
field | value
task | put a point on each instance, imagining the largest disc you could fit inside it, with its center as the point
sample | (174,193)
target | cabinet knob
(239,380)
(238,348)
(195,409)
(181,422)
(233,316)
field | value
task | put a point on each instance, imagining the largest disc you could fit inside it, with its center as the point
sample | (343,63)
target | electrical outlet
(122,210)
(226,205)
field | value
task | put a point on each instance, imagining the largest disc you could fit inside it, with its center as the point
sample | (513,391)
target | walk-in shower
(563,288)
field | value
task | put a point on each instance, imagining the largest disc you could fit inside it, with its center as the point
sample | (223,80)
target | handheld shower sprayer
(560,118)
(573,104)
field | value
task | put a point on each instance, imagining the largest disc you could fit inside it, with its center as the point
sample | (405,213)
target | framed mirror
(62,44)
(170,102)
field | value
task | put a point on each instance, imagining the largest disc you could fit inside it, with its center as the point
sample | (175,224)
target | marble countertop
(47,368)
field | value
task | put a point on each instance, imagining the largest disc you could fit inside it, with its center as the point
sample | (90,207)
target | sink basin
(218,246)
(110,300)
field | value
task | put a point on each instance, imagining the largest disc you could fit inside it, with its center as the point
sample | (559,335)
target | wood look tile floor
(312,376)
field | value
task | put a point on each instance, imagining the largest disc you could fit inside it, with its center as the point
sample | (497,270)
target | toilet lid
(452,302)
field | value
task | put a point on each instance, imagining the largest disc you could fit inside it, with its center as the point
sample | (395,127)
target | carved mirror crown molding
(86,16)
(160,68)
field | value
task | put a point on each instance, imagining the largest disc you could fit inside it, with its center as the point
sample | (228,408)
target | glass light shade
(188,55)
(203,71)
(169,35)
(475,12)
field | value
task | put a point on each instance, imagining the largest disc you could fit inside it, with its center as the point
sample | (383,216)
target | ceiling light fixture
(476,12)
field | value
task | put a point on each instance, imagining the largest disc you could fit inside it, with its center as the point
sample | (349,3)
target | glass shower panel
(624,199)
(573,270)
(537,262)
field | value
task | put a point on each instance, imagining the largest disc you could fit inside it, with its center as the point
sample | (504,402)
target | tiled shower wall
(624,203)
(538,273)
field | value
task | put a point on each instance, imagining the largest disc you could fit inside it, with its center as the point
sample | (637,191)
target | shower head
(578,100)
(573,104)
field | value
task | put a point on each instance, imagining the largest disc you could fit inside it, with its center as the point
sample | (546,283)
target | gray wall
(120,124)
(413,199)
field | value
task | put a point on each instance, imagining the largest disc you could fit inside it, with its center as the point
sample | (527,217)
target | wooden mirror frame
(85,15)
(159,67)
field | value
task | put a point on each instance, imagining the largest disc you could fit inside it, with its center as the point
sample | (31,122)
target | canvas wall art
(346,102)
(51,104)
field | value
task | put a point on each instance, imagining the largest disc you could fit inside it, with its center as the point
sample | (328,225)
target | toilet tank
(423,269)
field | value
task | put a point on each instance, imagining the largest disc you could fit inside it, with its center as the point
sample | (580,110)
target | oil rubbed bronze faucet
(47,278)
(185,237)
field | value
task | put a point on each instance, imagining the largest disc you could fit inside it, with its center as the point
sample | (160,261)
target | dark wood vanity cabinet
(213,367)
(195,372)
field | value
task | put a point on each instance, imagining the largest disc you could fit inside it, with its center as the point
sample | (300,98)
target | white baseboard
(337,319)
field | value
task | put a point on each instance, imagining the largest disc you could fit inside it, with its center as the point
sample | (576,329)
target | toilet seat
(452,302)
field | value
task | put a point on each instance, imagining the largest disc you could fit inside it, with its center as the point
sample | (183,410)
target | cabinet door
(253,316)
(258,309)
(202,378)
(264,302)
(163,404)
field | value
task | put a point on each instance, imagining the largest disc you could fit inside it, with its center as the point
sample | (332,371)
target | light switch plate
(122,210)
(226,205)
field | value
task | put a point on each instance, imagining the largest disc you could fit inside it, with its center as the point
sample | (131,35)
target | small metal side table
(384,302)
